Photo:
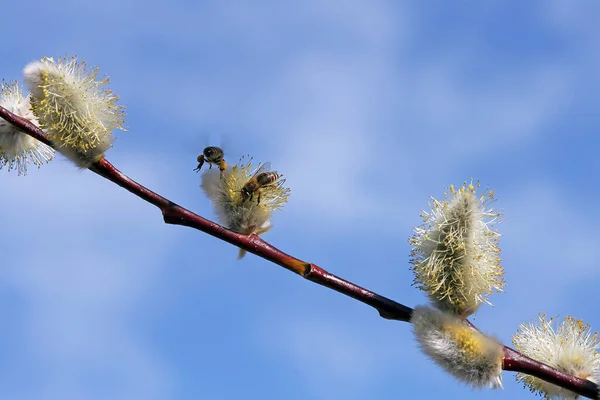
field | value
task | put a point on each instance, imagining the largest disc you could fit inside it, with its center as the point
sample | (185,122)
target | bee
(262,178)
(212,155)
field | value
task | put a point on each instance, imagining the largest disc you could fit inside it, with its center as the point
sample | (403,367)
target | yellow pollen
(465,338)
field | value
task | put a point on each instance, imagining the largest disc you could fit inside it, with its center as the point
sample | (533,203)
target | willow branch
(387,308)
(177,215)
(515,361)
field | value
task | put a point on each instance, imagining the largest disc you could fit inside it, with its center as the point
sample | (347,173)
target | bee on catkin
(258,182)
(242,202)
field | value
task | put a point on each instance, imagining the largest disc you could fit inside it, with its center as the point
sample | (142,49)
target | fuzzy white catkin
(455,253)
(459,349)
(18,149)
(570,347)
(74,108)
(243,216)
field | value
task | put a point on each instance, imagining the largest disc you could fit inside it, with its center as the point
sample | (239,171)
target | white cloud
(343,164)
(461,117)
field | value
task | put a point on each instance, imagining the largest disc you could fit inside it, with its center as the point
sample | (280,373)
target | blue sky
(368,108)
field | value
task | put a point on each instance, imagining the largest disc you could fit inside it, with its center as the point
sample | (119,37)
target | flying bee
(262,178)
(213,156)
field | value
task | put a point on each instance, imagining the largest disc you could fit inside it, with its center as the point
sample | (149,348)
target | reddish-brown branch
(387,308)
(174,214)
(25,125)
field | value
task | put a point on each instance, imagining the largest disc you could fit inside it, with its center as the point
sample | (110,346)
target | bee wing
(207,137)
(225,143)
(262,168)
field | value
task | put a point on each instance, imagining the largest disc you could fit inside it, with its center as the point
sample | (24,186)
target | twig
(176,215)
(387,308)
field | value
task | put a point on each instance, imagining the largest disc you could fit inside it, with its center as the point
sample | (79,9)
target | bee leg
(258,202)
(200,164)
(222,167)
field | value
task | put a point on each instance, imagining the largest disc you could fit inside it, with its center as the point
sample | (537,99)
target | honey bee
(212,155)
(262,178)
